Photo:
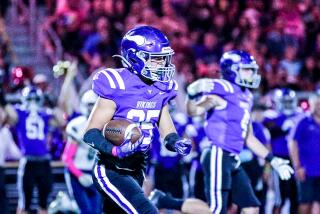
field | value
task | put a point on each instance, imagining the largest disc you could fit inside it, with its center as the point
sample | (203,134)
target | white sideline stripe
(21,169)
(112,85)
(216,203)
(118,78)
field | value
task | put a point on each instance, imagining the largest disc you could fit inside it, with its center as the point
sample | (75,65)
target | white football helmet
(88,100)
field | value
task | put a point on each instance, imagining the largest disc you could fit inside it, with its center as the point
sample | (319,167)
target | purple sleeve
(103,85)
(258,130)
(171,92)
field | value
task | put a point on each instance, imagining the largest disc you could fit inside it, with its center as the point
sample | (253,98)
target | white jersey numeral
(244,122)
(144,121)
(35,128)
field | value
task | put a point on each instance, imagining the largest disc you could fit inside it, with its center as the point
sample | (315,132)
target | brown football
(116,130)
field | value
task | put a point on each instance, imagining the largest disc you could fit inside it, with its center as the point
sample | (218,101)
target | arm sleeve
(67,157)
(94,138)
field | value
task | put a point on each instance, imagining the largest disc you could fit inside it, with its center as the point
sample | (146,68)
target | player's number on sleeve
(244,122)
(35,128)
(138,115)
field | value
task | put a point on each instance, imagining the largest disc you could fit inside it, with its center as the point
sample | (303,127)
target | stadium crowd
(283,36)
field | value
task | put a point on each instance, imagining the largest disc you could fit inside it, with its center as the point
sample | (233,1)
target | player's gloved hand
(85,180)
(183,146)
(127,148)
(200,86)
(282,167)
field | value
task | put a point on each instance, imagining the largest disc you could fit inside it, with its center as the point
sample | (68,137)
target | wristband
(114,151)
(269,157)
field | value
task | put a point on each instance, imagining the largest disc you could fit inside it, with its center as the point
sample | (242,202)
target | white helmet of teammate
(88,100)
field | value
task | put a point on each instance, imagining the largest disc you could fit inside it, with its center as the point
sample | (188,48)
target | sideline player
(227,104)
(139,92)
(32,121)
(79,159)
(279,125)
(304,148)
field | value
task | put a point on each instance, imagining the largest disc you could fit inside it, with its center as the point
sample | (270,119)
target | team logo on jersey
(148,105)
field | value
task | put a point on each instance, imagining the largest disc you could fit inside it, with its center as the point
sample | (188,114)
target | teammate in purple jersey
(139,92)
(227,103)
(32,123)
(279,125)
(304,148)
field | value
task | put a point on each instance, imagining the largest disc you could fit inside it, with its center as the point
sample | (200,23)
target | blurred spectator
(99,46)
(274,32)
(310,73)
(291,64)
(21,76)
(6,54)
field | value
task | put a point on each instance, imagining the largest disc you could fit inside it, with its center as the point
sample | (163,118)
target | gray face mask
(33,106)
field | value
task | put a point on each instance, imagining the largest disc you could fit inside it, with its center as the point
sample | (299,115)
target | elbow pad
(170,140)
(95,139)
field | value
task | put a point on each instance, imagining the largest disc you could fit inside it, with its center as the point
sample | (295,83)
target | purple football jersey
(279,128)
(32,131)
(259,132)
(227,126)
(135,100)
(307,135)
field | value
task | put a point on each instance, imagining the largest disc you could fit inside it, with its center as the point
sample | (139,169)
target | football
(115,131)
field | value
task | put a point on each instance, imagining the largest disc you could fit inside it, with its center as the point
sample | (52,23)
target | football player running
(227,103)
(79,160)
(140,92)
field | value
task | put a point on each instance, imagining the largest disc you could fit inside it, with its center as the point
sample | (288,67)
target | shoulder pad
(107,82)
(222,87)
